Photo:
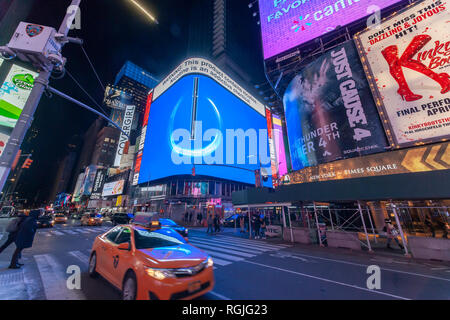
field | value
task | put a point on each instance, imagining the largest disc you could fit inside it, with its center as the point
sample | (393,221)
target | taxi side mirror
(124,246)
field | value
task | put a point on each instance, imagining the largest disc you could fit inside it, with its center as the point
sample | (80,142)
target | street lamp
(144,11)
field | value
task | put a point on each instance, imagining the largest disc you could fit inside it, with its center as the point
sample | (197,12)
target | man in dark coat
(25,237)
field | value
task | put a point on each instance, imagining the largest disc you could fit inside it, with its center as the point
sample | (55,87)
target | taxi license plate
(194,286)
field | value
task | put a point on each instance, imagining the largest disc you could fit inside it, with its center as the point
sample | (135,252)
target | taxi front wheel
(93,265)
(129,288)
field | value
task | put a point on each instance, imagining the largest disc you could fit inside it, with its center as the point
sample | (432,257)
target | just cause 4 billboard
(330,111)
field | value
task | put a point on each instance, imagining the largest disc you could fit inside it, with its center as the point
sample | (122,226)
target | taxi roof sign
(147,219)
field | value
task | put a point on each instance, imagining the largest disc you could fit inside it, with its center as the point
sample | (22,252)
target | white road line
(221,262)
(54,279)
(218,295)
(242,254)
(69,231)
(366,265)
(328,280)
(252,243)
(80,256)
(228,246)
(57,233)
(233,244)
(223,256)
(81,230)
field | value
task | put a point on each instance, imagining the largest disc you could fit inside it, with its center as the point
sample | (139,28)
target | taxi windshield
(167,222)
(146,239)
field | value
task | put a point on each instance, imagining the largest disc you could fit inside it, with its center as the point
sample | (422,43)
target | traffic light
(27,164)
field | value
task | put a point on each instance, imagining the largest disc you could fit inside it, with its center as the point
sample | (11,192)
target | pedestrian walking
(429,224)
(216,224)
(257,225)
(391,233)
(199,218)
(242,223)
(25,237)
(186,215)
(210,222)
(263,227)
(13,229)
(190,217)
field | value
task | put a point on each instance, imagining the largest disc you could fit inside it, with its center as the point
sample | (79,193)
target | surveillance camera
(57,60)
(7,53)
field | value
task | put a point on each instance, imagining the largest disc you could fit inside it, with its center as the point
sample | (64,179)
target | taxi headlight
(159,274)
(210,262)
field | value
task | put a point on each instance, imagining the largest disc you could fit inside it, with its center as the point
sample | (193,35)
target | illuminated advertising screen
(117,98)
(279,146)
(99,181)
(113,188)
(202,121)
(286,24)
(14,93)
(408,60)
(420,159)
(330,111)
(88,182)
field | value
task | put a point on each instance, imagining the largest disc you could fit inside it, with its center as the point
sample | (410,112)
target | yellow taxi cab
(60,218)
(147,262)
(91,219)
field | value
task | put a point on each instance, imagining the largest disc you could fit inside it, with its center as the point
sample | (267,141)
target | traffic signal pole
(26,118)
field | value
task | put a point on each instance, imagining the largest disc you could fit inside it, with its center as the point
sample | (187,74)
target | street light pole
(26,118)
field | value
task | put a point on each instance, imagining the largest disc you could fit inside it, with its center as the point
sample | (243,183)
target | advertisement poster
(286,24)
(113,188)
(14,93)
(408,60)
(279,146)
(330,111)
(123,140)
(99,181)
(117,98)
(88,182)
(273,157)
(419,159)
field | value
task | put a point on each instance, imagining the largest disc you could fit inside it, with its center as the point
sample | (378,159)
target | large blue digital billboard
(197,122)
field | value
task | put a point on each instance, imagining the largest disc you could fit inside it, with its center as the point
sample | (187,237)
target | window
(112,235)
(124,236)
(146,239)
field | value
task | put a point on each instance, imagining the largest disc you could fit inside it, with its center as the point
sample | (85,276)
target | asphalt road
(244,270)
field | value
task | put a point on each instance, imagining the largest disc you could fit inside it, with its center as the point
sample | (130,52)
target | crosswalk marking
(57,233)
(226,245)
(54,277)
(238,253)
(80,256)
(221,262)
(252,242)
(69,231)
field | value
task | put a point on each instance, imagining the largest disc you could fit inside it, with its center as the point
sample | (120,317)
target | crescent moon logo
(209,149)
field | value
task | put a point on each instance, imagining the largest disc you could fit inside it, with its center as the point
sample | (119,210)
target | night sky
(113,32)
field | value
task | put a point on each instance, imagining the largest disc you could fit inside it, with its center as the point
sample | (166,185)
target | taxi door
(122,260)
(105,260)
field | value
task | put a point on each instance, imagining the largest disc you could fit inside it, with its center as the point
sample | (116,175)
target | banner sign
(88,182)
(273,157)
(137,167)
(113,188)
(117,98)
(279,146)
(419,159)
(408,60)
(99,181)
(126,126)
(286,24)
(273,231)
(205,67)
(14,93)
(330,111)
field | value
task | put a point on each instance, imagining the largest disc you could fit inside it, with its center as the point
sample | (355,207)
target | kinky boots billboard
(407,61)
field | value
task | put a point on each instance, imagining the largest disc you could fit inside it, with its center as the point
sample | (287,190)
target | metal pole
(26,118)
(364,225)
(249,223)
(331,219)
(371,224)
(290,225)
(397,220)
(317,224)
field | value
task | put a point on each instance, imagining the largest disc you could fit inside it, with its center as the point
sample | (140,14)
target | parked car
(91,219)
(167,223)
(121,218)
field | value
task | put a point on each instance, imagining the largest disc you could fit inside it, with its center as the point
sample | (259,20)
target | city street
(244,269)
